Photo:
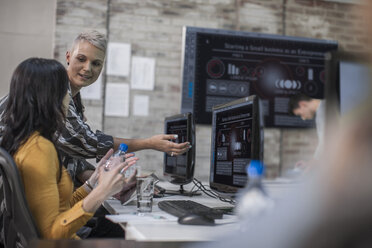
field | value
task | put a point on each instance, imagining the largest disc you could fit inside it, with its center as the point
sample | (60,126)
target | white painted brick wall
(154,29)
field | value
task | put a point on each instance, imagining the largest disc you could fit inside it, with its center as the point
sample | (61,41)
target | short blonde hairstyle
(94,37)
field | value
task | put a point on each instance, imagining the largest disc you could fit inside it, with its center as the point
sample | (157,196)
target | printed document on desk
(124,218)
(155,216)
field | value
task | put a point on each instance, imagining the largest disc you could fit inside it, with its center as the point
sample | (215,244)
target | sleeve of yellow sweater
(40,170)
(78,195)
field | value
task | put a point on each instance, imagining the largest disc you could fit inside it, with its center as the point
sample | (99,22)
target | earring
(68,63)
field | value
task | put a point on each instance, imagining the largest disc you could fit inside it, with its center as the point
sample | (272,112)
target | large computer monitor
(348,84)
(237,138)
(180,169)
(220,66)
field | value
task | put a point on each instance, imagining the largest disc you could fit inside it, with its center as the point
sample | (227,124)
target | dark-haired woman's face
(85,65)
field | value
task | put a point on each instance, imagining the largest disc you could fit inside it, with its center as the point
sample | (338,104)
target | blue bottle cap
(255,169)
(123,147)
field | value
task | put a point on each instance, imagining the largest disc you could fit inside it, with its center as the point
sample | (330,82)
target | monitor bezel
(172,177)
(190,92)
(257,138)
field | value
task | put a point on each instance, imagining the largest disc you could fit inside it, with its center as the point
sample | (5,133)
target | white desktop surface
(161,226)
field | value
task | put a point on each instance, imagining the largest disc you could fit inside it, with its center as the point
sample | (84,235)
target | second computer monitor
(237,138)
(347,85)
(180,169)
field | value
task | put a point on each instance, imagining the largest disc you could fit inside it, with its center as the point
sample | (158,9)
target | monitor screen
(348,83)
(180,169)
(220,66)
(237,137)
(352,73)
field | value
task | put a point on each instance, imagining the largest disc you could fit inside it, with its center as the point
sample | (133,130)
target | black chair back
(17,222)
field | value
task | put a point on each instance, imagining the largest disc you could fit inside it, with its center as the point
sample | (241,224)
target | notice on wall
(141,105)
(93,91)
(117,99)
(118,59)
(143,73)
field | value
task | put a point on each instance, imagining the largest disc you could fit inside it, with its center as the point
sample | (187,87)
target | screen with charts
(180,169)
(237,137)
(220,66)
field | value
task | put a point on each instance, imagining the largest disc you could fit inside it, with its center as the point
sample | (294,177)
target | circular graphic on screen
(300,71)
(273,75)
(215,68)
(212,87)
(288,84)
(310,88)
(233,89)
(243,89)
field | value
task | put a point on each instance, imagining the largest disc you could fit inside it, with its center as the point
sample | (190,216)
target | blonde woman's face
(85,63)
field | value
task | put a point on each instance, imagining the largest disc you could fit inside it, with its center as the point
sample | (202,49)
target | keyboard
(184,207)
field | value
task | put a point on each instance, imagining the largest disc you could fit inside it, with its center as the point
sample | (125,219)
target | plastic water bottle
(131,170)
(254,199)
(120,153)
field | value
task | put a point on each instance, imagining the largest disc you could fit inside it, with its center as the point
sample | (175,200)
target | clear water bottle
(253,200)
(119,154)
(132,169)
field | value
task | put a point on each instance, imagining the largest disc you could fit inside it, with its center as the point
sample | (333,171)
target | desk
(160,226)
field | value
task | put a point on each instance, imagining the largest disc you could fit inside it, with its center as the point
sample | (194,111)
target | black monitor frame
(190,154)
(302,72)
(256,142)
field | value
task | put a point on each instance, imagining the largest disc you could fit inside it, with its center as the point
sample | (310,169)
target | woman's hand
(128,188)
(163,143)
(110,181)
(94,177)
(113,181)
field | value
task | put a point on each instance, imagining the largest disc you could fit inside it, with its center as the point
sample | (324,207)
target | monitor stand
(181,191)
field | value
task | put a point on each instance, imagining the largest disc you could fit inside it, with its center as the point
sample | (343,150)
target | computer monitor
(348,83)
(237,138)
(219,66)
(180,169)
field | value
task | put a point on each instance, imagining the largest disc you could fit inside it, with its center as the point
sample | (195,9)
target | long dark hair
(37,89)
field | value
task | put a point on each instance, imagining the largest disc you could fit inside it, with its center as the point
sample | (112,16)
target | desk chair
(19,226)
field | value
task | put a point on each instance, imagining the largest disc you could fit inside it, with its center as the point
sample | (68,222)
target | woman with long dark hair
(35,112)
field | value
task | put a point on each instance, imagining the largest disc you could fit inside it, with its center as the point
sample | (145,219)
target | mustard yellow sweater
(56,209)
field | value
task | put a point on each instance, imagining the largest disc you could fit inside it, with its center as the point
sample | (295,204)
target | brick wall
(153,28)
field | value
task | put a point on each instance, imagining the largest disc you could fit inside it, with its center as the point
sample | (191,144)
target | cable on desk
(210,192)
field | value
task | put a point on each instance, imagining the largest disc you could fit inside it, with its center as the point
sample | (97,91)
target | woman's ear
(68,56)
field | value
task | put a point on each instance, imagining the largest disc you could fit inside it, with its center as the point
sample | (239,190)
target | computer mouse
(195,219)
